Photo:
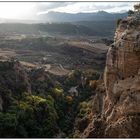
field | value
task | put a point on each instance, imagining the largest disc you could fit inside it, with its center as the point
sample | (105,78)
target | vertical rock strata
(121,110)
(122,82)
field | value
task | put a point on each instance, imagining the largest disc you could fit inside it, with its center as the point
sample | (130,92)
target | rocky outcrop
(121,110)
(14,77)
(122,81)
(13,80)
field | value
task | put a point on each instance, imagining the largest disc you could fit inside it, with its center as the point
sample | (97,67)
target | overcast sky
(31,10)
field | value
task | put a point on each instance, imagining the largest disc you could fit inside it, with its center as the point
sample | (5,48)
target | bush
(76,134)
(69,99)
(84,109)
(74,78)
(8,124)
(130,13)
(58,92)
(118,22)
(35,116)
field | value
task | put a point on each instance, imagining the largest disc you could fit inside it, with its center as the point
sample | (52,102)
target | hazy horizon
(32,10)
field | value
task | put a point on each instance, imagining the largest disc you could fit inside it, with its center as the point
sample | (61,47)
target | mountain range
(70,17)
(92,24)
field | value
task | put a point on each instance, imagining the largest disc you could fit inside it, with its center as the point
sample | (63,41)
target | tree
(37,117)
(137,7)
(69,99)
(118,21)
(130,13)
(8,123)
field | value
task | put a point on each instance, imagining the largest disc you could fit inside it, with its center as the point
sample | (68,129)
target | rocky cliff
(120,115)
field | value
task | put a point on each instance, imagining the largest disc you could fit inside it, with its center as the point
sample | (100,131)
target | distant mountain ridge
(70,17)
(101,24)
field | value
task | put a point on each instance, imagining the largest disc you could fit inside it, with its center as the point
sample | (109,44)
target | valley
(70,75)
(51,70)
(60,53)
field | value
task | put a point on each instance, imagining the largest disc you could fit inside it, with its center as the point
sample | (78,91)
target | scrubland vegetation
(48,109)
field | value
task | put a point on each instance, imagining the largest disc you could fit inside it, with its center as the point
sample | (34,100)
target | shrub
(69,99)
(8,123)
(76,134)
(37,117)
(130,13)
(58,92)
(118,22)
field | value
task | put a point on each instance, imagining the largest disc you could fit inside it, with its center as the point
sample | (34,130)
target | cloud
(30,10)
(76,7)
(17,10)
(49,6)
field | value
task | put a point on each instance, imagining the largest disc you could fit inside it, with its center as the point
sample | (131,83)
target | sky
(31,10)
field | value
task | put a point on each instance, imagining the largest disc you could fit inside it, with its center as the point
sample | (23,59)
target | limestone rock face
(122,82)
(121,109)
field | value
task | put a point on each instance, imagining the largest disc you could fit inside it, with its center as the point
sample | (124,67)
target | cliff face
(121,110)
(122,82)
